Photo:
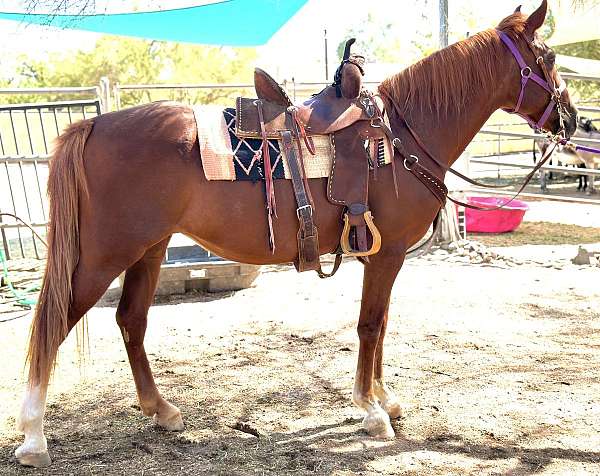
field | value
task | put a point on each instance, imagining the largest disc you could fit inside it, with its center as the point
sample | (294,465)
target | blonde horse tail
(66,183)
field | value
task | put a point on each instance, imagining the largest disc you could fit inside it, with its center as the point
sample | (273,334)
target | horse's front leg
(380,274)
(387,398)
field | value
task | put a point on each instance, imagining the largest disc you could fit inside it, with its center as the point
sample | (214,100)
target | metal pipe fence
(26,135)
(294,89)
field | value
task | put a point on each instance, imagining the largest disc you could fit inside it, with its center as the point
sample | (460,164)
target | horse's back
(156,126)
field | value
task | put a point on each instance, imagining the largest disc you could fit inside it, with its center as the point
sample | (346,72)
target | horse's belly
(230,220)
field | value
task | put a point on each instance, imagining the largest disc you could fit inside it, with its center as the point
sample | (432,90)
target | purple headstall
(528,74)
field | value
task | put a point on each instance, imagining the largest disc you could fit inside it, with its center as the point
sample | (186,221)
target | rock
(582,258)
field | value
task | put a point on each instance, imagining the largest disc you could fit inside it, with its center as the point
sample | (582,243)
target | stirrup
(345,238)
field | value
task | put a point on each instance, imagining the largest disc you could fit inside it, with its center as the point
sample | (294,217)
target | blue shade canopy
(229,22)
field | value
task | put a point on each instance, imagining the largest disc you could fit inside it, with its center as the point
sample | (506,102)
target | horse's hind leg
(132,312)
(583,180)
(591,189)
(379,277)
(543,183)
(89,283)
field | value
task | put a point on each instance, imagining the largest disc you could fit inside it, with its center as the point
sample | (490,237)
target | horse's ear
(537,18)
(518,9)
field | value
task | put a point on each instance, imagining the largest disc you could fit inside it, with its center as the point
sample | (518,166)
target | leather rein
(435,185)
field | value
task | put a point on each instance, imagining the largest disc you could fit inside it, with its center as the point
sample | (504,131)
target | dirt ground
(497,369)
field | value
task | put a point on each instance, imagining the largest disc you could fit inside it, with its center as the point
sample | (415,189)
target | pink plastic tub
(496,221)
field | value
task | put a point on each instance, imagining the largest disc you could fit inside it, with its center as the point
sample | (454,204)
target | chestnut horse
(122,183)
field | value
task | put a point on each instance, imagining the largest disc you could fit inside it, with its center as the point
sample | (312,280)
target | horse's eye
(551,57)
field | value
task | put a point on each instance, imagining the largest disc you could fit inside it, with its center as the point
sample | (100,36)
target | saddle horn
(349,44)
(353,81)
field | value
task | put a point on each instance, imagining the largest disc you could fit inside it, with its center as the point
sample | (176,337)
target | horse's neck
(449,132)
(448,135)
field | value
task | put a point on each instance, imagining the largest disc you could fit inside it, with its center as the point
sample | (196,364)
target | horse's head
(535,90)
(586,124)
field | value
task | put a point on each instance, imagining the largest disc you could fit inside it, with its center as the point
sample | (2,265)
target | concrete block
(168,287)
(197,284)
(232,283)
(177,272)
(248,268)
(225,270)
(177,278)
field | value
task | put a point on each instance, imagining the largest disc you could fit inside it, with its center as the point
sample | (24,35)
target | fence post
(4,241)
(117,96)
(105,95)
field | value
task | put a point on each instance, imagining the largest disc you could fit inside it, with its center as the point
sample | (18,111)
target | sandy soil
(497,368)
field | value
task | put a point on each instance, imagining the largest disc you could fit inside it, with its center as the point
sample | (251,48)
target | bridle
(546,83)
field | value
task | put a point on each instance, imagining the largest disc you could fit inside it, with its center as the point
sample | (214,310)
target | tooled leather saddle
(345,112)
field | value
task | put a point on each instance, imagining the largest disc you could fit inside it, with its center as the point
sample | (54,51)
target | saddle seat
(345,112)
(334,108)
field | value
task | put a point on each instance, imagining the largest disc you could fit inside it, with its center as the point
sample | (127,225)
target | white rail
(579,77)
(558,198)
(524,135)
(548,168)
(66,90)
(588,109)
(40,159)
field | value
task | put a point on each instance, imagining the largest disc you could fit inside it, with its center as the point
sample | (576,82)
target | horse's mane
(445,81)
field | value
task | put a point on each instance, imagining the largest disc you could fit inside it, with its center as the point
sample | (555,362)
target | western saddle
(350,116)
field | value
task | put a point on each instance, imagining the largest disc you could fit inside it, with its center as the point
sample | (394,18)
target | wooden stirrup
(345,238)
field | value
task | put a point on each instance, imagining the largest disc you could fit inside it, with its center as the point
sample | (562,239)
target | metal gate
(26,135)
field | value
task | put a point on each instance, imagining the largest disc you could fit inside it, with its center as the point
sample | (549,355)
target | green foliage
(135,61)
(584,49)
(586,90)
(549,26)
(381,39)
(375,41)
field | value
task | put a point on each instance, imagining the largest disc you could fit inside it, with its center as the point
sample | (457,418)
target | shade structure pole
(443,23)
(326,56)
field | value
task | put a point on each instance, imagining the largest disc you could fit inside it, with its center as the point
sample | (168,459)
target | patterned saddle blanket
(228,157)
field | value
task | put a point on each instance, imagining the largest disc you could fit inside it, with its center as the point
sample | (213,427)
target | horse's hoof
(377,425)
(393,408)
(37,460)
(170,420)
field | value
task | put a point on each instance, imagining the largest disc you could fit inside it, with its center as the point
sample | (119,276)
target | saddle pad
(228,157)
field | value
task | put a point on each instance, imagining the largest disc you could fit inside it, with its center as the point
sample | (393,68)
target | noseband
(547,83)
